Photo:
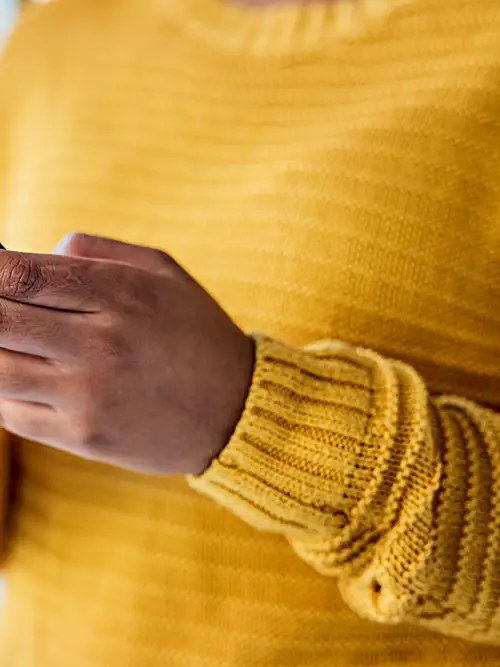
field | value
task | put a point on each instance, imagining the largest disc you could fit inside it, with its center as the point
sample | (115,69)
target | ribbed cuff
(318,453)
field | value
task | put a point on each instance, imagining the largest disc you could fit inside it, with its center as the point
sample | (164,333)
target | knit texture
(398,494)
(330,172)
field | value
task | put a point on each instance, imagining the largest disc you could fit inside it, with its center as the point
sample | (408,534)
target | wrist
(277,472)
(227,407)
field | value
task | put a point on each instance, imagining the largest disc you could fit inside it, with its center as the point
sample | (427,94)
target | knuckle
(75,243)
(162,258)
(165,263)
(170,263)
(112,344)
(85,434)
(21,276)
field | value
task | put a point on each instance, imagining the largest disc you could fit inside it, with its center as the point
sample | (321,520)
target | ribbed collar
(278,29)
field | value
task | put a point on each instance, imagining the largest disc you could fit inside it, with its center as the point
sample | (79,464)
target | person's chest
(355,197)
(326,197)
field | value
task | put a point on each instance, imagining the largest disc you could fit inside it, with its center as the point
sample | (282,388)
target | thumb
(77,244)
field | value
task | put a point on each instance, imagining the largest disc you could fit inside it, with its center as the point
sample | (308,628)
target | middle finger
(39,331)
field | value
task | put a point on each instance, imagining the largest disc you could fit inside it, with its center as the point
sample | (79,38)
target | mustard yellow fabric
(331,173)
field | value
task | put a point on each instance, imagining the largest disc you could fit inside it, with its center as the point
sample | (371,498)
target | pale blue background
(8,9)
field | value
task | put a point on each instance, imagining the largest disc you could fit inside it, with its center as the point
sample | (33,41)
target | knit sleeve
(372,480)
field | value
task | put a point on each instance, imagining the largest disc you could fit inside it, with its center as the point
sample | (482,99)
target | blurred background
(8,10)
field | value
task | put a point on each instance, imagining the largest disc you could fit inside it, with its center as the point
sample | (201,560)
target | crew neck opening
(277,29)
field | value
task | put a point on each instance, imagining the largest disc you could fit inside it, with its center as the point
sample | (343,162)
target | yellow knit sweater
(328,172)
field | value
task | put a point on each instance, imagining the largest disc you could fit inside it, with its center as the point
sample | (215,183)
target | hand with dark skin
(114,353)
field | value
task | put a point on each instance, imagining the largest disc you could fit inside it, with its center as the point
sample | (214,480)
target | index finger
(52,281)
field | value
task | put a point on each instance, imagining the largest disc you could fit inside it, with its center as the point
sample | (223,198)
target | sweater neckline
(277,29)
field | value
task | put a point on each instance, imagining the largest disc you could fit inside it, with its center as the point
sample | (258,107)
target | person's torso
(351,192)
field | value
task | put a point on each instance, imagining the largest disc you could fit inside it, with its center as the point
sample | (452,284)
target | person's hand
(114,353)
